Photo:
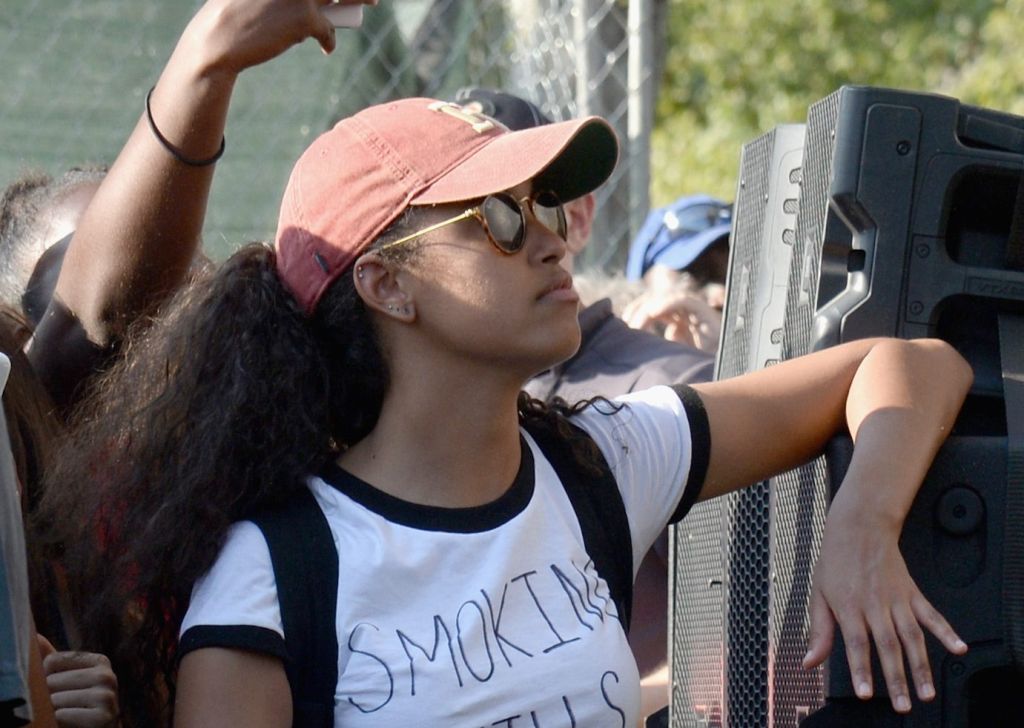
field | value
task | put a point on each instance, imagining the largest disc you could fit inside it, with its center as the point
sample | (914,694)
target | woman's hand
(137,241)
(901,405)
(900,400)
(683,316)
(83,687)
(232,35)
(861,582)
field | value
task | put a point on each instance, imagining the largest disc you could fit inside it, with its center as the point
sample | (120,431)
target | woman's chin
(562,348)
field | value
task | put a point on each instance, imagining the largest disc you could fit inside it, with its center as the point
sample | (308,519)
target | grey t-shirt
(614,359)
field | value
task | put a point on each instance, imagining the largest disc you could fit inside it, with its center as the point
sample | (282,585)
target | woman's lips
(560,290)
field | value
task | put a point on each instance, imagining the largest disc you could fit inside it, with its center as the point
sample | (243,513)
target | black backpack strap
(305,563)
(596,499)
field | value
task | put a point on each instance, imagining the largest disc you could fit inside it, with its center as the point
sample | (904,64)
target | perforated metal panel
(720,626)
(800,498)
(745,514)
(697,639)
(810,226)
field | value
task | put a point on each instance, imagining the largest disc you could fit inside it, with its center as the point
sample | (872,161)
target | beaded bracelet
(172,149)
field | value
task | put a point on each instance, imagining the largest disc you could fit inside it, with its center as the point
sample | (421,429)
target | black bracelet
(172,149)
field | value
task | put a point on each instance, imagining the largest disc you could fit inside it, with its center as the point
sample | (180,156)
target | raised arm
(899,400)
(141,232)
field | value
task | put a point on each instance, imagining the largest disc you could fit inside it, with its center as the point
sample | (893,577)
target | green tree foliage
(994,75)
(734,70)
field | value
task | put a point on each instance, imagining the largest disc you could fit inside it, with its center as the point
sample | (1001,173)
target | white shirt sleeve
(235,603)
(649,446)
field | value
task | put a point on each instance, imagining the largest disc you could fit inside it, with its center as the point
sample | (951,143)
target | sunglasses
(503,218)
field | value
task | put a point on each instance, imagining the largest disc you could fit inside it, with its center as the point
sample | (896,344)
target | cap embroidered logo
(479,122)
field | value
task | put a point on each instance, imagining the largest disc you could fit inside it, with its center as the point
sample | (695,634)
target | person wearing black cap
(613,359)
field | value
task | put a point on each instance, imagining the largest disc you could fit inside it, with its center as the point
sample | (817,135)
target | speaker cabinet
(889,214)
(906,215)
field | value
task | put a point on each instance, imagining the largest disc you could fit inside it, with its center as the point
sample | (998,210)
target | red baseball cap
(357,178)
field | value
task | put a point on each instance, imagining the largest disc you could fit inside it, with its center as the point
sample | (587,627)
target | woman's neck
(450,438)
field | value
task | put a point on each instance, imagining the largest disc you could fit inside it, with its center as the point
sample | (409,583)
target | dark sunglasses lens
(505,221)
(550,213)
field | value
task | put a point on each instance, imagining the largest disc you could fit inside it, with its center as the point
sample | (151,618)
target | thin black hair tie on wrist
(172,149)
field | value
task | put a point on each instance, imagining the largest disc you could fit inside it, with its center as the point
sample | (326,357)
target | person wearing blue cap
(691,234)
(681,253)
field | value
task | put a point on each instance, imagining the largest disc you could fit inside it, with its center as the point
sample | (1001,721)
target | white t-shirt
(471,617)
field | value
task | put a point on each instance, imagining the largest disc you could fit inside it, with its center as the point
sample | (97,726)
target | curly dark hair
(223,407)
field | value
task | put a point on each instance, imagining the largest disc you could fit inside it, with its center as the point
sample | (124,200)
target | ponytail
(221,408)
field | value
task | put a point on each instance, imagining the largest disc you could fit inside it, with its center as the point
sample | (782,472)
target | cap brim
(682,252)
(571,158)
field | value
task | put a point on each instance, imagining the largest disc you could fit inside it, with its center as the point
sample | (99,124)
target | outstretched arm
(138,238)
(899,400)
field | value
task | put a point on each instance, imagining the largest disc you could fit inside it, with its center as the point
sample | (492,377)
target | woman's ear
(381,288)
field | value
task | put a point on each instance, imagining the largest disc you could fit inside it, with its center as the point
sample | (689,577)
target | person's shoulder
(615,332)
(642,348)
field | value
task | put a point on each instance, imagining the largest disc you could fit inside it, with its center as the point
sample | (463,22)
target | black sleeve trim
(700,442)
(237,637)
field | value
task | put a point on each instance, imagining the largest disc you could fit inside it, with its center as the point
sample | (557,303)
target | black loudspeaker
(910,225)
(720,597)
(910,222)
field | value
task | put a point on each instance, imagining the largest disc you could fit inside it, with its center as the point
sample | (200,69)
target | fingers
(83,689)
(858,658)
(822,631)
(935,623)
(636,316)
(75,680)
(890,655)
(46,647)
(679,333)
(912,638)
(900,642)
(82,717)
(58,662)
(323,30)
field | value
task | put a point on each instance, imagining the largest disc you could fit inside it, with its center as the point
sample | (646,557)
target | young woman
(374,359)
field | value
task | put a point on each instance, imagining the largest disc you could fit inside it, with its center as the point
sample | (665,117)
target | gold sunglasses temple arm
(471,212)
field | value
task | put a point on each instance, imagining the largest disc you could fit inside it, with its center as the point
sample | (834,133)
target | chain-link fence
(75,73)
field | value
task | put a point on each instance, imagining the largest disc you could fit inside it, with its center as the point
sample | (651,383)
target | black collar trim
(476,519)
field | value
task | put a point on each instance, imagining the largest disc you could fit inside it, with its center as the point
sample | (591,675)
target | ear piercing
(359,272)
